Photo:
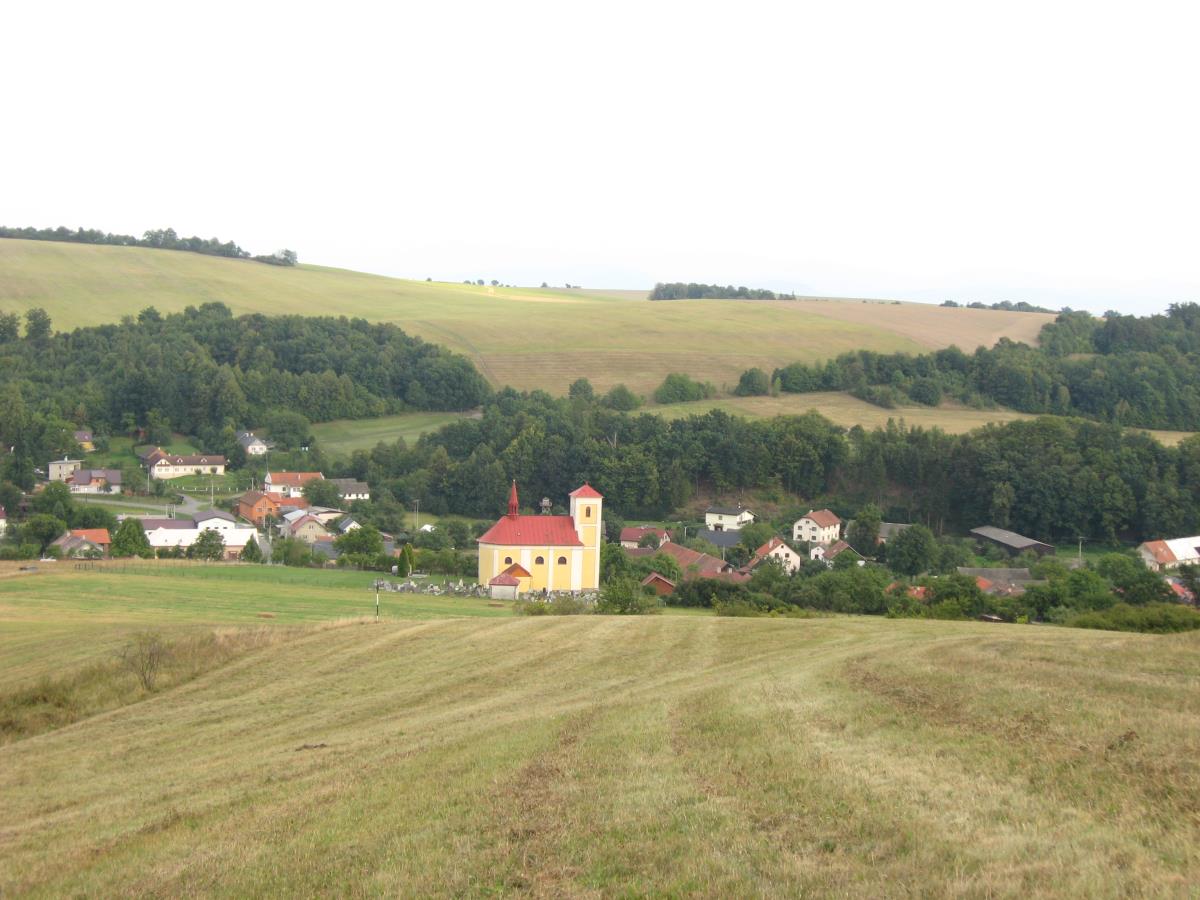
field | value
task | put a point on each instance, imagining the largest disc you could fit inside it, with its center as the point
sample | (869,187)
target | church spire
(514,508)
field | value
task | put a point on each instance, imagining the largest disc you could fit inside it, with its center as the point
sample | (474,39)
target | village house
(86,441)
(290,484)
(350,490)
(632,536)
(1170,554)
(62,469)
(162,465)
(307,528)
(693,563)
(258,507)
(83,543)
(777,549)
(252,445)
(727,518)
(827,553)
(95,481)
(817,526)
(560,553)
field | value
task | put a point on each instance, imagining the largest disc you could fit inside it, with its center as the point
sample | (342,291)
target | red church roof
(587,491)
(535,531)
(516,530)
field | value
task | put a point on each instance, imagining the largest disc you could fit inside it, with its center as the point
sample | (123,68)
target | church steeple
(514,508)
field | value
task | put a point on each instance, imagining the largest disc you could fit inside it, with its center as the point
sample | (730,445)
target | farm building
(1010,541)
(660,584)
(632,535)
(1171,554)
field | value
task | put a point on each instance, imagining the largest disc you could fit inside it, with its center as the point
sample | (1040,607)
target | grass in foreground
(660,755)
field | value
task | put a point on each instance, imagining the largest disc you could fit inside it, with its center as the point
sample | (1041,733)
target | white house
(252,445)
(819,526)
(727,518)
(62,469)
(350,490)
(235,538)
(290,484)
(173,465)
(777,549)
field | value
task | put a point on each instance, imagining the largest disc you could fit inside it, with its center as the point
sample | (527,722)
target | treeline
(161,238)
(1142,372)
(204,371)
(1050,478)
(679,290)
(1007,305)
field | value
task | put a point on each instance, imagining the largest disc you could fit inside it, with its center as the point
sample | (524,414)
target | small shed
(504,587)
(660,584)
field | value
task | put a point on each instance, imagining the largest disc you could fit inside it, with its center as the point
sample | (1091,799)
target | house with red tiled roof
(632,536)
(817,526)
(1170,554)
(290,484)
(560,553)
(693,563)
(777,549)
(84,542)
(829,552)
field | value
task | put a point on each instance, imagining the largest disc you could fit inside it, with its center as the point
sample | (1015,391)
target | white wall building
(819,526)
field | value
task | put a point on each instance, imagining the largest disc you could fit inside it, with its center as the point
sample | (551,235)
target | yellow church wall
(550,574)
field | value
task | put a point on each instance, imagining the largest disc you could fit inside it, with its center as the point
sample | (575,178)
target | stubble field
(604,756)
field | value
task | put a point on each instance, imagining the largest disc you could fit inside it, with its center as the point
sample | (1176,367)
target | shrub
(1152,618)
(678,388)
(556,606)
(144,655)
(625,597)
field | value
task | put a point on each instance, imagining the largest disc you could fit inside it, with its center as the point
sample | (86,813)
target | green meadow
(453,749)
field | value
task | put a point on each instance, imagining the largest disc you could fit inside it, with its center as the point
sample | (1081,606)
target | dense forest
(160,239)
(204,370)
(1005,305)
(1051,478)
(1143,372)
(679,290)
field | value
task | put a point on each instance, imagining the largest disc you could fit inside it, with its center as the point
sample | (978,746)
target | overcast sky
(1041,151)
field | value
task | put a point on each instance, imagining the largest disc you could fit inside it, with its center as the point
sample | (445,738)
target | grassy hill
(607,756)
(527,338)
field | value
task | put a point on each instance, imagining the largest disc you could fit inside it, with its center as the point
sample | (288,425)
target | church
(557,553)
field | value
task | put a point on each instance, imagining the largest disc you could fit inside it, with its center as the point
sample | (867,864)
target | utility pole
(416,515)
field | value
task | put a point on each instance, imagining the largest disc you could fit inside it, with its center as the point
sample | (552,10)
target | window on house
(540,561)
(562,560)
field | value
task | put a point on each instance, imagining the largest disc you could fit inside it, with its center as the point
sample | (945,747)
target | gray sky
(1043,151)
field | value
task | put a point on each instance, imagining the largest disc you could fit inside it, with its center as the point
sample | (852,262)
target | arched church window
(587,512)
(508,560)
(541,561)
(562,560)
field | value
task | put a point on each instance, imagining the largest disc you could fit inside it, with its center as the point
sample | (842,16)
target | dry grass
(524,337)
(595,756)
(849,411)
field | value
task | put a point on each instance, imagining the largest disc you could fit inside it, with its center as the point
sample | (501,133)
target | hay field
(347,435)
(523,337)
(603,756)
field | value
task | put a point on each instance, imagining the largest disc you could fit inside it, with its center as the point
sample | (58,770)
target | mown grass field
(605,756)
(523,337)
(347,435)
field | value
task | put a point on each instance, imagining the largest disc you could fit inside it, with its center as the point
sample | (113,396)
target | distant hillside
(527,338)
